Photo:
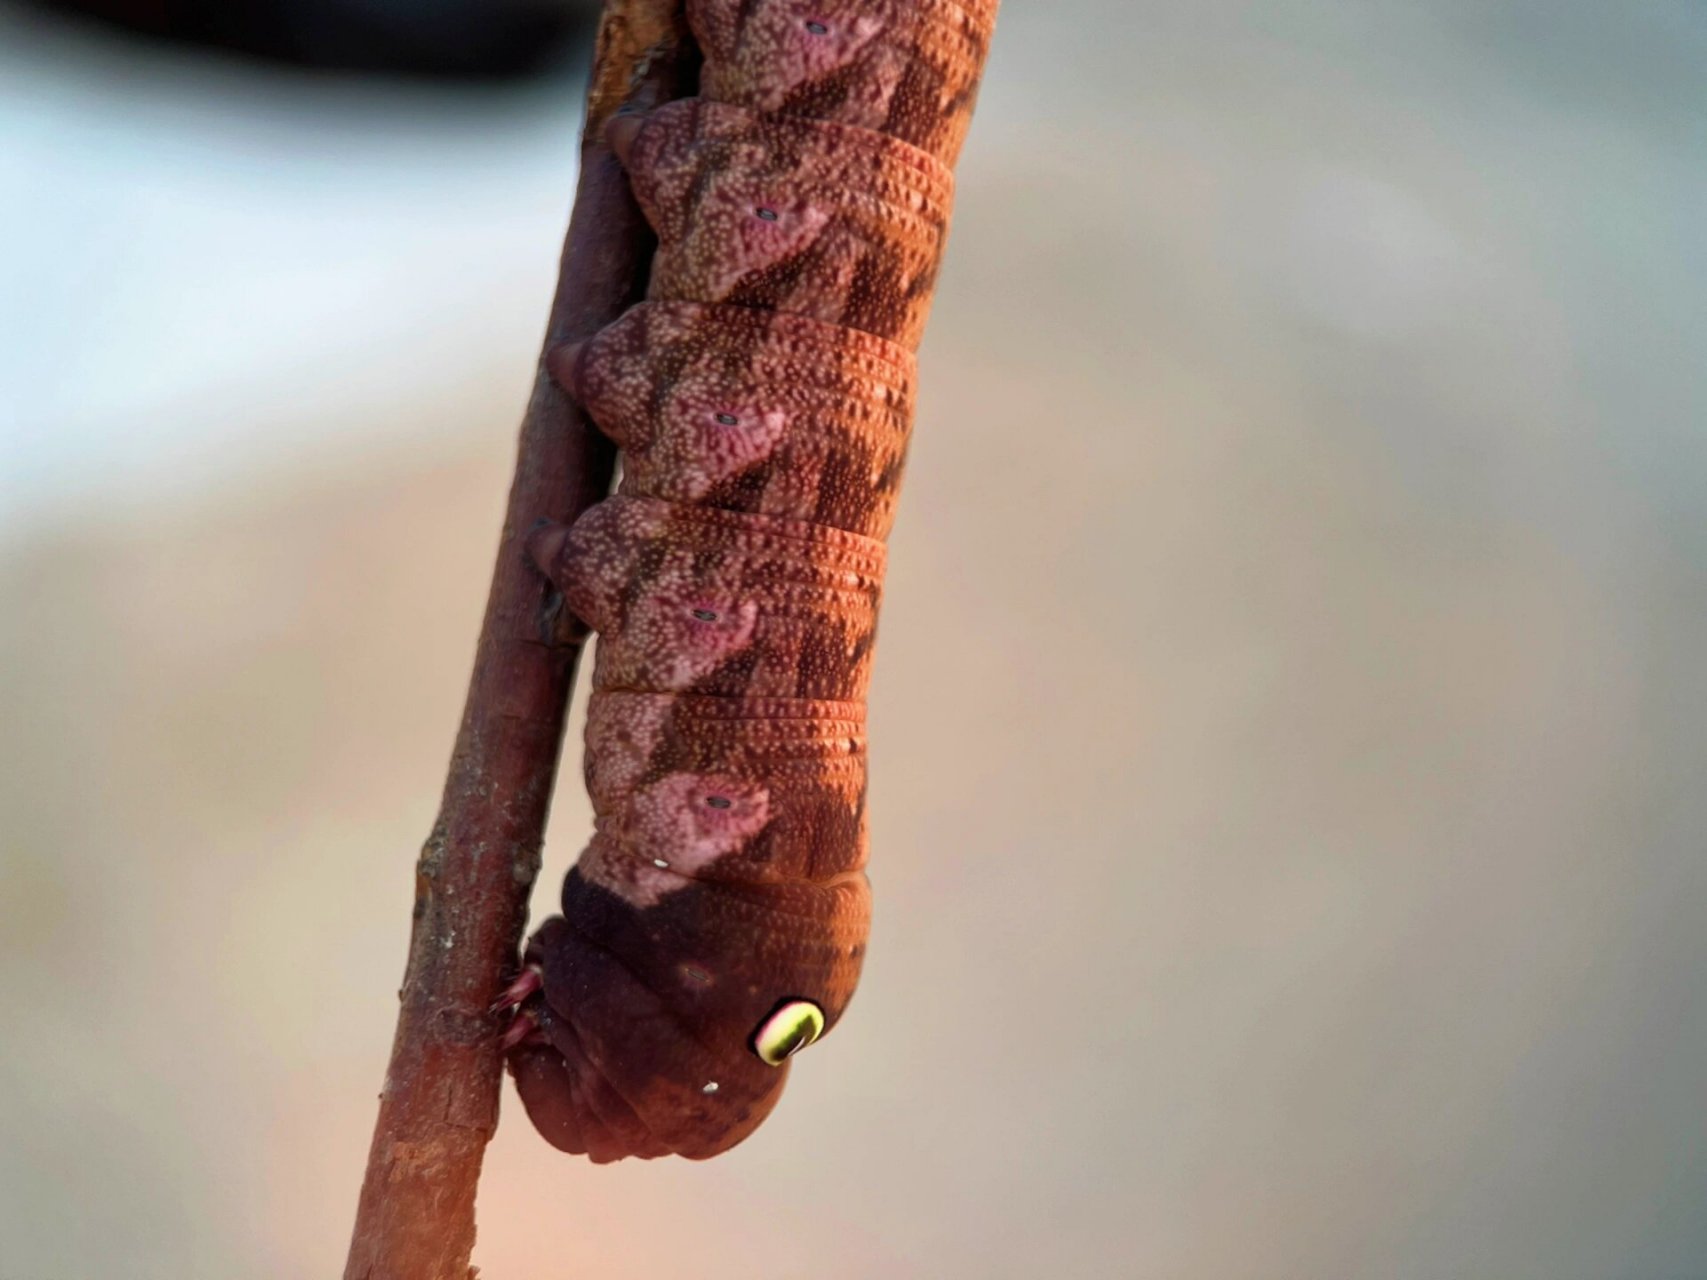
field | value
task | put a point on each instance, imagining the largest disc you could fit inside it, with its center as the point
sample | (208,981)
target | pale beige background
(1289,726)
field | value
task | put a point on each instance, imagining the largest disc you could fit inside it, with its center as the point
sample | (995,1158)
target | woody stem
(439,1105)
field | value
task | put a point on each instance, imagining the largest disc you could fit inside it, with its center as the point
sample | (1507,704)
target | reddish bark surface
(439,1105)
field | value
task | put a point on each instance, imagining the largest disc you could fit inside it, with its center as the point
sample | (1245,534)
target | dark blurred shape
(452,38)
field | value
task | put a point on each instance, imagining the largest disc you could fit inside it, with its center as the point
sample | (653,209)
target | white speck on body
(711,1087)
(659,862)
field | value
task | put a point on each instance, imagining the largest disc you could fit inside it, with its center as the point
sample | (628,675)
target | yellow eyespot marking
(790,1028)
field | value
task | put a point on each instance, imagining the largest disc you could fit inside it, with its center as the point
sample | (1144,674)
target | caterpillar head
(684,1051)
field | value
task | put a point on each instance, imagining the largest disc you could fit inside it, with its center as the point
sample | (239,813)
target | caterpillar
(762,397)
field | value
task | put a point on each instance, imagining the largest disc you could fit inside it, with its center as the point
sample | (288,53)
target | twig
(439,1106)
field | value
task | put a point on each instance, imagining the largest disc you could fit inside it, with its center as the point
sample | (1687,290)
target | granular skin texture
(820,220)
(763,398)
(695,599)
(906,69)
(750,410)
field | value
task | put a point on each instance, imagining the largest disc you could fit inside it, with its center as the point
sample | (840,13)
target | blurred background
(1289,726)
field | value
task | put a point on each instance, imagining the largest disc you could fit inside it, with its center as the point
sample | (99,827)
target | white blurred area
(1288,729)
(213,266)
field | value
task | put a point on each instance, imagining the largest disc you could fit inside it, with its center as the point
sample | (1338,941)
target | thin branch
(439,1106)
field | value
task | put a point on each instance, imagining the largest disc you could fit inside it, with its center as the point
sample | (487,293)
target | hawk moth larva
(810,422)
(762,396)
